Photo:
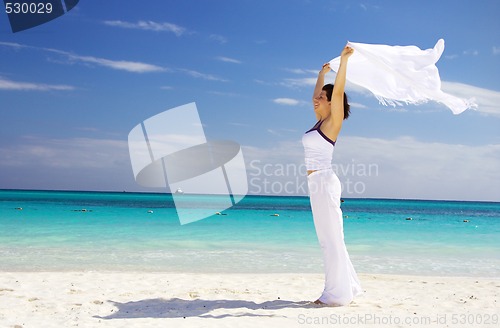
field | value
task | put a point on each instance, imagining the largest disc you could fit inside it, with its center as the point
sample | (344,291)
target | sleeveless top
(318,149)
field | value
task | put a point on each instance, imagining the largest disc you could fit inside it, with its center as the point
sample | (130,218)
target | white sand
(95,299)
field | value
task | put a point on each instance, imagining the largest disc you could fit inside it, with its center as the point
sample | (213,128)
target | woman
(331,108)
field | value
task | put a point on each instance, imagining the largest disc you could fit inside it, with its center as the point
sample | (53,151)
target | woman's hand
(325,69)
(346,52)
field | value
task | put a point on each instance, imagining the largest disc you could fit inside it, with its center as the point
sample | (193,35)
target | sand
(126,299)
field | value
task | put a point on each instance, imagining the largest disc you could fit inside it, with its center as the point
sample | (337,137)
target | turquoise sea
(73,231)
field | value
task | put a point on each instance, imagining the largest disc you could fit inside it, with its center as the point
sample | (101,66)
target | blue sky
(72,89)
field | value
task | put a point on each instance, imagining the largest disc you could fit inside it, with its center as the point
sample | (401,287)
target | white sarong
(341,281)
(400,74)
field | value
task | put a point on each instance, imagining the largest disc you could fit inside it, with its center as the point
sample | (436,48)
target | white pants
(341,281)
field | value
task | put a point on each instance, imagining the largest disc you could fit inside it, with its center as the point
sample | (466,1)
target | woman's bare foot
(318,302)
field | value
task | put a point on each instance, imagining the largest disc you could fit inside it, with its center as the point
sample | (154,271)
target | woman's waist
(321,170)
(318,167)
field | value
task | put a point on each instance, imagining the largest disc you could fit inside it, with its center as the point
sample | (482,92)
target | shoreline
(257,273)
(155,299)
(155,193)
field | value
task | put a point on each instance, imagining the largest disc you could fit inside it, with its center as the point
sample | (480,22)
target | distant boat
(179,191)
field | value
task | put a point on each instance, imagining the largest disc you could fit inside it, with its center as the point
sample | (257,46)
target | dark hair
(347,108)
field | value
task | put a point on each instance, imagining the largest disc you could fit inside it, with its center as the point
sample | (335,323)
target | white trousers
(341,281)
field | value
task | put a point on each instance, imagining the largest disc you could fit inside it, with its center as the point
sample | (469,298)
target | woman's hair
(329,90)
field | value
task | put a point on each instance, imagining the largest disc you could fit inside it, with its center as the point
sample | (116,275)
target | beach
(132,299)
(92,259)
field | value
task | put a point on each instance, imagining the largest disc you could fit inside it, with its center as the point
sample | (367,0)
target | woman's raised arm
(319,83)
(337,105)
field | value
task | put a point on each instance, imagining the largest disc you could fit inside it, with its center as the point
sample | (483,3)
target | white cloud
(286,101)
(218,38)
(471,52)
(149,26)
(224,94)
(204,76)
(6,84)
(228,60)
(240,124)
(368,7)
(72,164)
(300,83)
(409,168)
(310,82)
(274,132)
(295,70)
(357,105)
(130,66)
(388,168)
(73,153)
(13,45)
(281,132)
(496,50)
(368,167)
(301,71)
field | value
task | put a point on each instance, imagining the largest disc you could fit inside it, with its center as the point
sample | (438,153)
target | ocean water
(68,231)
